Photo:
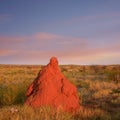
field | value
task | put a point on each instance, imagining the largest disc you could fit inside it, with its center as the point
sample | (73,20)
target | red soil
(53,89)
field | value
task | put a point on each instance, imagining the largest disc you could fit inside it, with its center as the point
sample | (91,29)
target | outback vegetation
(98,89)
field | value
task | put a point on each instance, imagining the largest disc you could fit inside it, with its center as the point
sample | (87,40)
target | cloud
(72,54)
(51,41)
(41,46)
(41,41)
(7,52)
(12,39)
(89,52)
(45,36)
(12,42)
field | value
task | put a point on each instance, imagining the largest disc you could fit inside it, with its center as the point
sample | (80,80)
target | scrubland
(98,89)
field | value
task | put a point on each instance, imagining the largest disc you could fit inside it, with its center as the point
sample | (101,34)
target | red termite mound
(53,89)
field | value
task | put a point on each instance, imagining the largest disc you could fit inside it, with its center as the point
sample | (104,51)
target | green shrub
(12,93)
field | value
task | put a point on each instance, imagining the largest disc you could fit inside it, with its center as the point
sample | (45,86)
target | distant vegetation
(98,89)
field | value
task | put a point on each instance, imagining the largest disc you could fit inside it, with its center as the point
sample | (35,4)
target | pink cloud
(7,52)
(59,39)
(83,51)
(42,37)
(67,56)
(45,36)
(64,47)
(12,39)
(89,52)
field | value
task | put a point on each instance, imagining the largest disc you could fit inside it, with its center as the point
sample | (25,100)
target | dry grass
(99,95)
(47,113)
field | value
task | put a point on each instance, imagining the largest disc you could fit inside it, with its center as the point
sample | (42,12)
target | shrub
(13,93)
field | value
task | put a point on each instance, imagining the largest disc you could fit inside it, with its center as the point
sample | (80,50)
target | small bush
(13,93)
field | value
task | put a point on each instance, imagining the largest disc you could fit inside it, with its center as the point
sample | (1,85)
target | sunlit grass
(99,95)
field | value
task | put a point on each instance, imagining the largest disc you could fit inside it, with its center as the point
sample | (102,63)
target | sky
(83,32)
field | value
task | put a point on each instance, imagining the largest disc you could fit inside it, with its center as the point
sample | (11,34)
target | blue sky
(77,32)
